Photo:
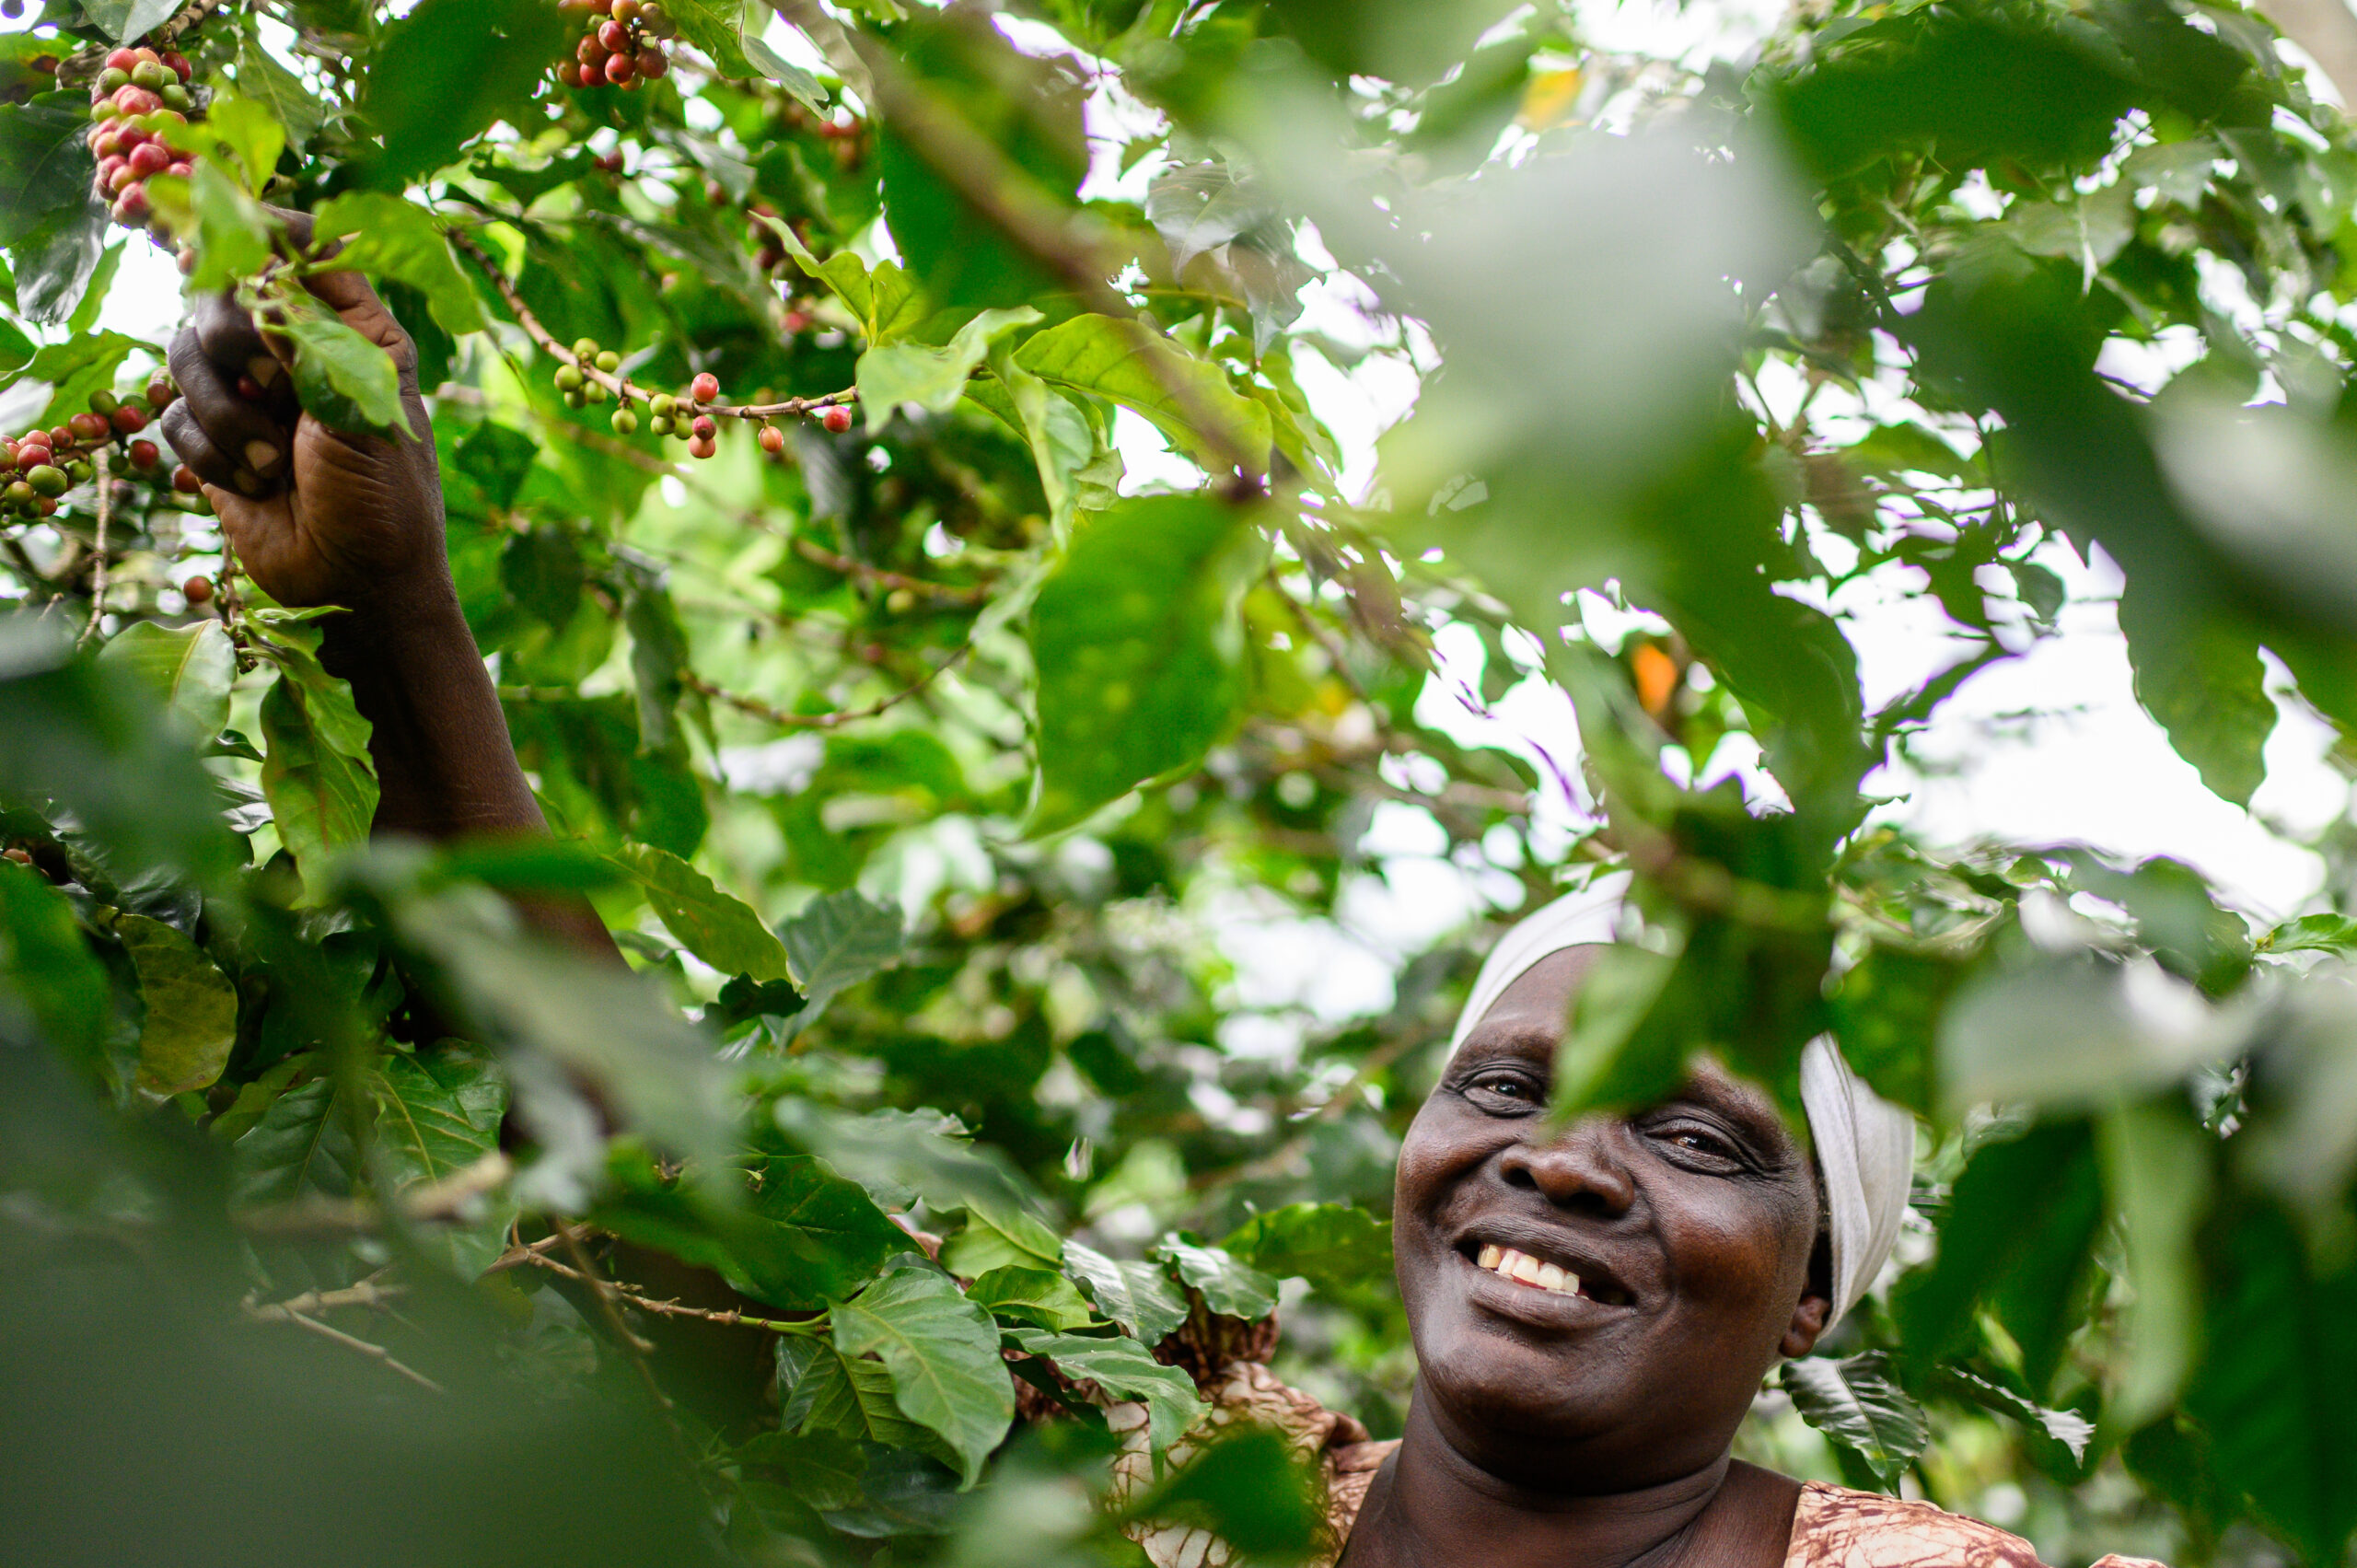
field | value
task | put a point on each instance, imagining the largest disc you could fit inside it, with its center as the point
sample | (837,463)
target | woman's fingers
(248,447)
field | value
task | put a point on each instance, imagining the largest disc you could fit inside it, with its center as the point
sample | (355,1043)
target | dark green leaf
(840,940)
(715,927)
(1227,1286)
(1040,1297)
(1137,1296)
(1124,1369)
(1858,1404)
(942,1352)
(315,769)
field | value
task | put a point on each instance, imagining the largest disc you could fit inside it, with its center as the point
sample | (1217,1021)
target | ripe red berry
(123,60)
(249,388)
(123,177)
(704,388)
(653,64)
(62,436)
(150,157)
(772,440)
(145,455)
(32,454)
(569,73)
(592,54)
(136,100)
(702,428)
(622,69)
(702,447)
(161,394)
(197,590)
(108,166)
(178,63)
(88,426)
(837,419)
(130,419)
(130,208)
(614,36)
(184,479)
(798,321)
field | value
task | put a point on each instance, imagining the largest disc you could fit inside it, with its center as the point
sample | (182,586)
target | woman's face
(1688,1227)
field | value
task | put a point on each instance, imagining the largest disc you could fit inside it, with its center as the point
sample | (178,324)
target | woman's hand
(316,515)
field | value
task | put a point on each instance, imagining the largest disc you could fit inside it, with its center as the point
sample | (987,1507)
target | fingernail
(263,368)
(248,482)
(262,456)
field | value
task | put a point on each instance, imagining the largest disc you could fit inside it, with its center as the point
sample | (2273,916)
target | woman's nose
(1575,1169)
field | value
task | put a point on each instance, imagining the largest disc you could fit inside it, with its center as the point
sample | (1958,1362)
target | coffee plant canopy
(892,466)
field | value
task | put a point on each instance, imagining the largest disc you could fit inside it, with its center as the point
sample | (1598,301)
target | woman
(1593,1308)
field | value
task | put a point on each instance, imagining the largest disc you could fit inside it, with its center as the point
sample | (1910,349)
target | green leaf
(805,88)
(1040,1297)
(2277,1379)
(2019,1231)
(942,1352)
(932,380)
(315,769)
(2204,685)
(449,69)
(1137,1296)
(347,382)
(2157,1175)
(189,669)
(1229,1287)
(797,1238)
(836,942)
(823,1390)
(1859,1405)
(999,1239)
(1127,1370)
(45,163)
(715,927)
(251,135)
(716,27)
(1187,398)
(191,1021)
(887,304)
(1333,1246)
(1138,641)
(262,78)
(49,980)
(231,232)
(302,1145)
(900,1155)
(128,19)
(1072,460)
(388,237)
(76,368)
(1252,1491)
(438,1112)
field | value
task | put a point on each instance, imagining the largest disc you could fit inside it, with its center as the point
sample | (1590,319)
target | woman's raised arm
(320,516)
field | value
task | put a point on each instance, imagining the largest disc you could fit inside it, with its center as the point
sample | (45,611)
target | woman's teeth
(1529,1271)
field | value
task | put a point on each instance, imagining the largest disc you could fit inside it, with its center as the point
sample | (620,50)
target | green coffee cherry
(595,392)
(610,362)
(576,398)
(176,96)
(660,424)
(585,348)
(625,422)
(569,378)
(47,479)
(662,405)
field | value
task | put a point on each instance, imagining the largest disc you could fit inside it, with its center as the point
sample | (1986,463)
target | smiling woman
(1594,1308)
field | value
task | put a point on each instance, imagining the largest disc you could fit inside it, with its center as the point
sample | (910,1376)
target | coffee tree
(932,611)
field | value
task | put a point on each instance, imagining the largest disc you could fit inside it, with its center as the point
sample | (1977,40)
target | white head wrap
(1866,1146)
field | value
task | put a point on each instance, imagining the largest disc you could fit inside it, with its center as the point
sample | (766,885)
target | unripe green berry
(625,422)
(610,362)
(576,399)
(79,470)
(662,405)
(47,479)
(595,392)
(569,377)
(585,348)
(176,97)
(113,77)
(152,75)
(104,403)
(660,424)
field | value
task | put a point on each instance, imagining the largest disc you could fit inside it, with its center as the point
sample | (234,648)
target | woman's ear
(1815,1308)
(1809,1322)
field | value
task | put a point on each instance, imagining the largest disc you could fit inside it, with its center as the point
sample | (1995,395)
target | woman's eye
(1513,1088)
(1700,1142)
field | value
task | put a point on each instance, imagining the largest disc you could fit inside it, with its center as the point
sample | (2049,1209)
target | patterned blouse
(1835,1527)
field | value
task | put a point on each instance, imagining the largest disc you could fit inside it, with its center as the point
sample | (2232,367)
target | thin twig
(621,386)
(608,1308)
(367,1293)
(665,1308)
(754,707)
(283,1313)
(98,567)
(819,555)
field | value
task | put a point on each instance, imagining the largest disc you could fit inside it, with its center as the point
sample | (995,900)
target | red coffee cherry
(622,69)
(704,429)
(702,447)
(145,455)
(704,388)
(184,479)
(130,419)
(197,590)
(772,440)
(837,419)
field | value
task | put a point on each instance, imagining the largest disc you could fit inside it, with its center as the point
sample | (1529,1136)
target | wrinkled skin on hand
(316,515)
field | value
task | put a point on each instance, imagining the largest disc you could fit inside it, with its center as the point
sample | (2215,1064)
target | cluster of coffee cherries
(687,416)
(138,94)
(41,465)
(623,46)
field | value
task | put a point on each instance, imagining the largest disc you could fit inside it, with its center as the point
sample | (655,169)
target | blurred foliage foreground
(929,762)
